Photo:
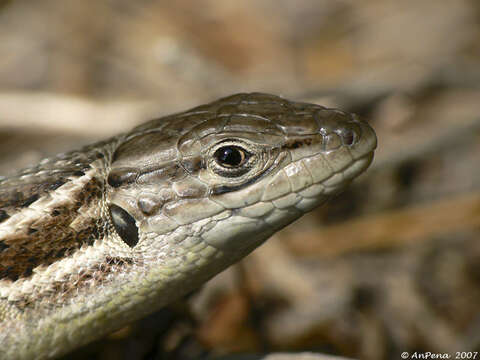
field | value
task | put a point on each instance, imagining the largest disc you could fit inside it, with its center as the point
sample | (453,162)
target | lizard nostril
(349,133)
(348,137)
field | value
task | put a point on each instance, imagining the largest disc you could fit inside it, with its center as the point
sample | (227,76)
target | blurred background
(391,265)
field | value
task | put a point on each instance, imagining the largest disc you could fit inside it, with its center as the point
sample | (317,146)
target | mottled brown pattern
(60,290)
(51,238)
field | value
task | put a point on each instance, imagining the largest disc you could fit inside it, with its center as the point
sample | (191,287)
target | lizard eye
(230,156)
(231,159)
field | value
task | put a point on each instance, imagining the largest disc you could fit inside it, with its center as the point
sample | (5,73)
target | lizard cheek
(124,225)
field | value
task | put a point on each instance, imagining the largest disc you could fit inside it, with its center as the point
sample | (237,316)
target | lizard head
(231,173)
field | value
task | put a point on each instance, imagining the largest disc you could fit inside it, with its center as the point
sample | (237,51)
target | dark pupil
(229,156)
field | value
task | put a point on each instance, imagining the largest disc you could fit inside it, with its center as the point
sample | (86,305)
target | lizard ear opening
(124,225)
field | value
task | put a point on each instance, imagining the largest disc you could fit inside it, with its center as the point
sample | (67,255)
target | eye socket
(230,156)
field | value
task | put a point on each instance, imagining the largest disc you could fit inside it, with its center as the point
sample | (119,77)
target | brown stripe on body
(49,237)
(19,195)
(33,183)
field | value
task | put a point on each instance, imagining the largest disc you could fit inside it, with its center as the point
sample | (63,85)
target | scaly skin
(94,239)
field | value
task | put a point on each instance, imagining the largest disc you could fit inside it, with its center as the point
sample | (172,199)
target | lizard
(93,239)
